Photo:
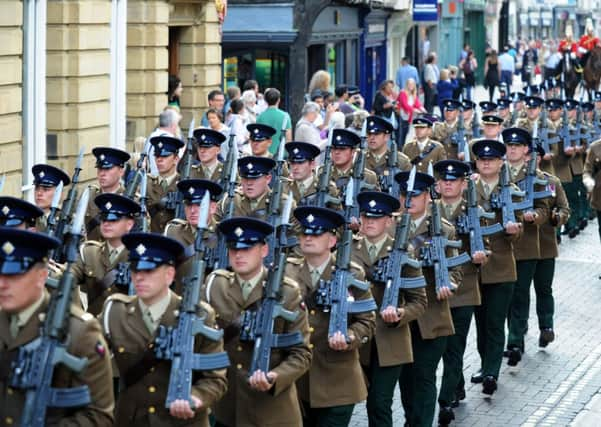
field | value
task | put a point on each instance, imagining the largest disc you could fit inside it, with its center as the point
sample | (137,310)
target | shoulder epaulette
(126,299)
(224,273)
(94,188)
(290,282)
(80,314)
(294,260)
(88,245)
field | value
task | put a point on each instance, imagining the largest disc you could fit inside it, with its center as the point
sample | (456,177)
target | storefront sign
(425,10)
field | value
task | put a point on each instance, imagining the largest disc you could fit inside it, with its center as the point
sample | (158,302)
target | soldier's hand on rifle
(530,216)
(181,408)
(569,151)
(445,293)
(512,227)
(392,314)
(461,156)
(261,382)
(548,156)
(479,257)
(355,224)
(338,341)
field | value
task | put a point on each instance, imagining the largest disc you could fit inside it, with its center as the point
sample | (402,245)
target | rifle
(596,125)
(458,137)
(504,199)
(130,191)
(514,112)
(218,257)
(54,205)
(475,125)
(527,184)
(176,344)
(542,135)
(322,196)
(388,270)
(470,223)
(358,174)
(2,181)
(59,254)
(258,325)
(387,182)
(433,253)
(226,172)
(274,208)
(33,369)
(179,198)
(332,295)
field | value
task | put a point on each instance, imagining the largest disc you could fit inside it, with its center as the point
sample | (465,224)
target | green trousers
(334,416)
(490,325)
(520,304)
(571,189)
(452,358)
(381,383)
(418,379)
(584,207)
(543,286)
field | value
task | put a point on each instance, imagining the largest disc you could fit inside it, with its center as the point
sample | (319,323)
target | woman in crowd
(492,73)
(408,104)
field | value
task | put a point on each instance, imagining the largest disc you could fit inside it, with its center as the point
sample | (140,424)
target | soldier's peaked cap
(451,170)
(115,206)
(244,232)
(148,251)
(15,211)
(108,157)
(345,138)
(166,145)
(21,249)
(208,137)
(49,176)
(316,221)
(377,204)
(194,190)
(255,167)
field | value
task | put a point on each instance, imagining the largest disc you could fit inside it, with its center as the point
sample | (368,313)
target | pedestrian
(431,76)
(507,66)
(385,100)
(592,179)
(492,74)
(408,104)
(455,81)
(320,81)
(249,98)
(305,130)
(216,100)
(174,93)
(468,66)
(237,124)
(276,118)
(445,88)
(406,71)
(232,93)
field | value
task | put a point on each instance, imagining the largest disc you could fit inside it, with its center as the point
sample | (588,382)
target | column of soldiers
(322,287)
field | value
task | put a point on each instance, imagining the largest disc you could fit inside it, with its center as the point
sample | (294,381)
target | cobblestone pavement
(551,386)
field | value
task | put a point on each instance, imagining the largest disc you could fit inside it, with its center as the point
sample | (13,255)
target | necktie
(448,210)
(373,252)
(487,189)
(164,184)
(301,188)
(14,326)
(147,318)
(315,277)
(247,288)
(253,205)
(113,255)
(412,228)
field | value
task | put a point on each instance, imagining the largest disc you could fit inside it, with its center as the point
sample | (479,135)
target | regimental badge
(102,157)
(238,231)
(295,151)
(191,190)
(203,137)
(5,210)
(108,206)
(514,135)
(372,203)
(450,168)
(487,148)
(41,174)
(256,131)
(310,218)
(8,248)
(339,138)
(371,123)
(160,145)
(249,166)
(141,249)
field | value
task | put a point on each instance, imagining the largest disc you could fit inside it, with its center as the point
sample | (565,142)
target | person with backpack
(468,66)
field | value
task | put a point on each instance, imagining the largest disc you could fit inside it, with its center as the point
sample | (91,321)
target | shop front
(373,59)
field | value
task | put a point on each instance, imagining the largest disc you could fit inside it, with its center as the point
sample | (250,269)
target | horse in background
(571,78)
(592,71)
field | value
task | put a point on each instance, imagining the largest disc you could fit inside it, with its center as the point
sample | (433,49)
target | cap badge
(41,174)
(8,248)
(487,148)
(450,168)
(372,203)
(514,135)
(140,249)
(160,145)
(249,166)
(295,151)
(108,206)
(203,137)
(371,123)
(5,210)
(256,131)
(238,231)
(310,218)
(338,138)
(191,190)
(102,157)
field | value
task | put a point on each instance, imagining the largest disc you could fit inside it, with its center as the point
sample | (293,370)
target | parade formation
(263,280)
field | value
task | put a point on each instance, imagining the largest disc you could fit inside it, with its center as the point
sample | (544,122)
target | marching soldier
(452,175)
(422,150)
(544,271)
(491,128)
(23,305)
(378,135)
(18,213)
(304,181)
(344,147)
(334,383)
(503,112)
(488,107)
(208,147)
(45,180)
(256,398)
(445,132)
(470,120)
(588,131)
(383,357)
(575,191)
(526,250)
(130,324)
(164,185)
(517,99)
(498,275)
(569,46)
(184,231)
(430,331)
(101,262)
(110,170)
(253,200)
(592,178)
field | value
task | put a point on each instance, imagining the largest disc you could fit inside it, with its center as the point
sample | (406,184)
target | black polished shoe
(445,416)
(559,239)
(477,377)
(489,385)
(546,336)
(592,215)
(573,233)
(459,396)
(582,223)
(515,355)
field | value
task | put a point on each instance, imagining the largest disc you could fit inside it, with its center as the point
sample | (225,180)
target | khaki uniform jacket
(577,160)
(545,165)
(558,214)
(393,341)
(380,167)
(435,150)
(92,220)
(243,406)
(342,179)
(311,191)
(335,377)
(93,272)
(468,292)
(561,162)
(85,340)
(243,208)
(183,232)
(159,215)
(442,132)
(436,321)
(199,172)
(527,246)
(143,403)
(592,171)
(500,267)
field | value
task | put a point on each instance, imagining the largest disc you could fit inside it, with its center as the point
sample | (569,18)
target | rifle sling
(418,159)
(6,361)
(109,278)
